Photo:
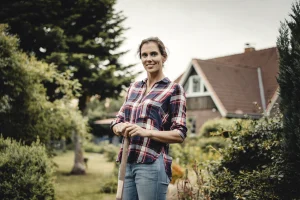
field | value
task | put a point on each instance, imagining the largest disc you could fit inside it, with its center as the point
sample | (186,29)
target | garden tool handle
(122,169)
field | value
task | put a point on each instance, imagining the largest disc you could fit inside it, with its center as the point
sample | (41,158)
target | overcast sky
(200,28)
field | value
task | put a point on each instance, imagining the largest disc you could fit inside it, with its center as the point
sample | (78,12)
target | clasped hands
(129,130)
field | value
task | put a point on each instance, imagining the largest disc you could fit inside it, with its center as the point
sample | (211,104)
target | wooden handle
(122,169)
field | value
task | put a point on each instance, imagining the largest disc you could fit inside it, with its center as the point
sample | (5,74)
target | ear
(164,59)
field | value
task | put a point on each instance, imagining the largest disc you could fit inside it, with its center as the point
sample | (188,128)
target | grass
(82,187)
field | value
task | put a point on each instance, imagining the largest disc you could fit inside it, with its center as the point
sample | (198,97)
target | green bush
(215,125)
(25,171)
(212,142)
(249,168)
(111,152)
(93,148)
(109,186)
(186,153)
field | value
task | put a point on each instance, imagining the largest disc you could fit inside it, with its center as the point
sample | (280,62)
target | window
(196,83)
(192,125)
(195,87)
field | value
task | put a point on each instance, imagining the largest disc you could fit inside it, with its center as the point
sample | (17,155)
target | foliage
(26,113)
(95,109)
(93,148)
(199,191)
(111,152)
(109,186)
(216,125)
(25,171)
(80,36)
(249,168)
(103,109)
(288,45)
(190,150)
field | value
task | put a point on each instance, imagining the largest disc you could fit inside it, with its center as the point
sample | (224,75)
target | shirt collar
(164,80)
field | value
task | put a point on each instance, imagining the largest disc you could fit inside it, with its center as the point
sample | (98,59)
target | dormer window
(195,87)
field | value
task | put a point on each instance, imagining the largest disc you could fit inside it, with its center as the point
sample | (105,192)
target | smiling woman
(152,117)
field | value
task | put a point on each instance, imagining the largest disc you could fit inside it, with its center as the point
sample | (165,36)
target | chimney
(248,48)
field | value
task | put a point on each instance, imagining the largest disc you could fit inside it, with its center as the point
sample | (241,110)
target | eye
(153,54)
(144,55)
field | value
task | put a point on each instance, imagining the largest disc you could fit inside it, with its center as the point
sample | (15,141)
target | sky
(200,28)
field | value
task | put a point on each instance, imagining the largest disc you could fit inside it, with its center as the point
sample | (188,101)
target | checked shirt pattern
(163,109)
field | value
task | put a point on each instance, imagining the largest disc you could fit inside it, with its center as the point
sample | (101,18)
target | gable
(194,86)
(205,89)
(237,87)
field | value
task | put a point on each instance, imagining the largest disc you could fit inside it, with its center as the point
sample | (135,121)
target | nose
(148,58)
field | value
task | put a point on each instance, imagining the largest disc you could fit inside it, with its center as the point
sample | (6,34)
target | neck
(154,77)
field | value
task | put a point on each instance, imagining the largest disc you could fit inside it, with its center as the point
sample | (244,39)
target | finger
(126,132)
(128,129)
(132,132)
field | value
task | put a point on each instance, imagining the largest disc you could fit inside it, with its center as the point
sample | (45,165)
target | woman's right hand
(119,128)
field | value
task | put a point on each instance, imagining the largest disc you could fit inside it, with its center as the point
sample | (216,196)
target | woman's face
(152,58)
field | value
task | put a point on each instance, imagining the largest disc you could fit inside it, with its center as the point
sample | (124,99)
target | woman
(152,116)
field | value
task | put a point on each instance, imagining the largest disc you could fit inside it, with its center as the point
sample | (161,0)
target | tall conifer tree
(78,35)
(289,81)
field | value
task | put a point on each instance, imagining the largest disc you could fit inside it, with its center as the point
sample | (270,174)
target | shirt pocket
(151,109)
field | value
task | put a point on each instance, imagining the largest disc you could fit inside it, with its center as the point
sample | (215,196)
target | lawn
(82,187)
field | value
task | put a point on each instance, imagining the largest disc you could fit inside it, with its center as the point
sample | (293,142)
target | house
(232,86)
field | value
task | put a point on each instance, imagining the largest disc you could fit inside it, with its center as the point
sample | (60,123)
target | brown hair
(160,44)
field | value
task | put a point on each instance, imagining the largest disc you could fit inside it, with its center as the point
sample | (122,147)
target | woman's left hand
(133,130)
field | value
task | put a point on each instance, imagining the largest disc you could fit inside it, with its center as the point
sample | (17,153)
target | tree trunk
(79,166)
(83,100)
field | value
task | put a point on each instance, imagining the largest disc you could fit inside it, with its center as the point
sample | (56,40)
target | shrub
(215,125)
(111,152)
(109,186)
(188,152)
(212,143)
(92,147)
(25,171)
(249,166)
(200,190)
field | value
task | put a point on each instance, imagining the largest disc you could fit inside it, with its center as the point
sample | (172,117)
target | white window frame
(190,92)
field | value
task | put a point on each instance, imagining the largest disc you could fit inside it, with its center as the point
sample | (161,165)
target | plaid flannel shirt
(163,109)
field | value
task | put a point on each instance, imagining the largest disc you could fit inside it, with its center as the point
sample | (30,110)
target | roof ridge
(225,64)
(235,54)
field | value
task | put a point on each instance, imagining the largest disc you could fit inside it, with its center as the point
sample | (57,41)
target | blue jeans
(146,181)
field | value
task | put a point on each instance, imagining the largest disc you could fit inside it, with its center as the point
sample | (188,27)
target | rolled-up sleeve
(178,111)
(120,117)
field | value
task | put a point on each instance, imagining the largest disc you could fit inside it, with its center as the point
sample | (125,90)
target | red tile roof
(266,59)
(234,79)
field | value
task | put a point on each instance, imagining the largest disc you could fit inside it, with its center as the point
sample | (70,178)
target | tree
(80,35)
(288,45)
(25,112)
